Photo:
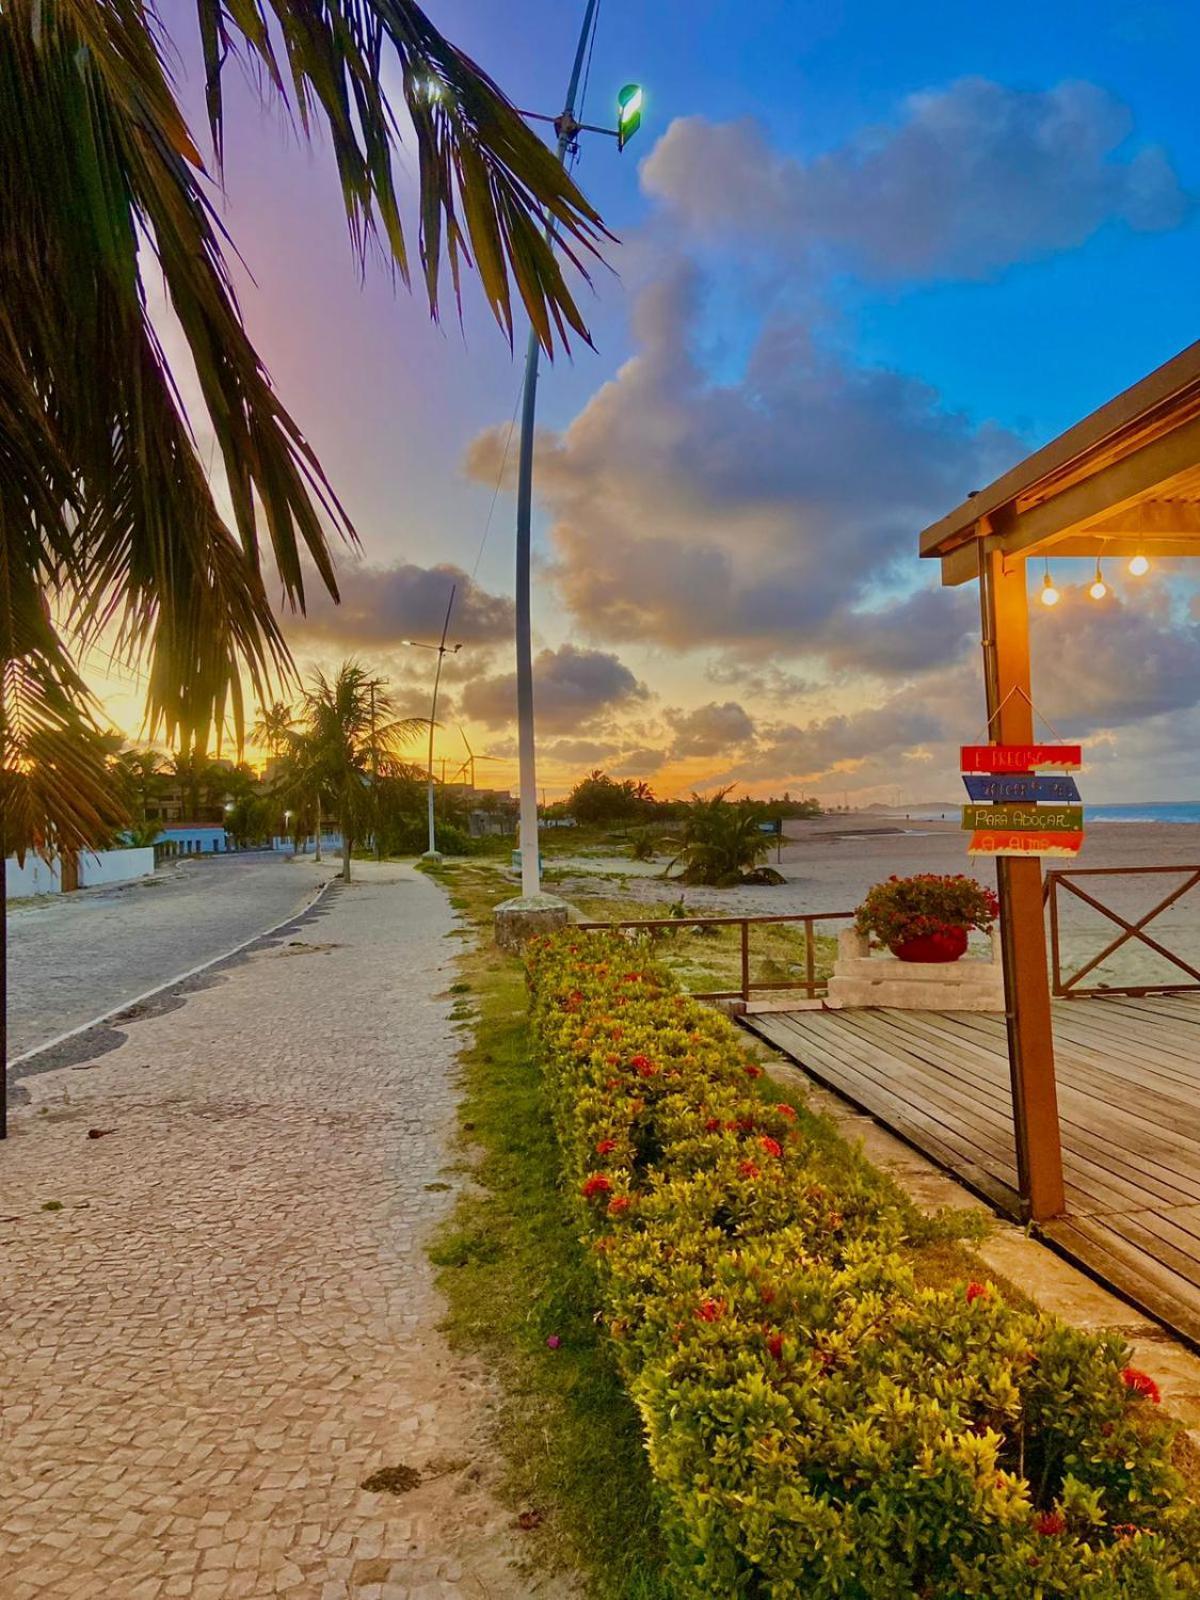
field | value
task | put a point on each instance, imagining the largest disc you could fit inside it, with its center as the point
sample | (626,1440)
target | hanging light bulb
(1099,588)
(1139,566)
(1049,592)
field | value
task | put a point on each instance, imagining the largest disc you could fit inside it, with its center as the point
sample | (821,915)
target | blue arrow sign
(984,787)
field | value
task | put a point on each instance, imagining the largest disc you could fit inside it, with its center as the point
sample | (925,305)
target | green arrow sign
(1041,819)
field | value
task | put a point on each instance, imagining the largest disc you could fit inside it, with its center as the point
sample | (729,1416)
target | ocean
(1144,811)
(1148,811)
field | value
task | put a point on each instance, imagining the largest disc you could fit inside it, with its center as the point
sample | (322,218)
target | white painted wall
(35,877)
(115,866)
(103,867)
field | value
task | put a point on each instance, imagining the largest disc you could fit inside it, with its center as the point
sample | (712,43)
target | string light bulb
(1049,592)
(1139,566)
(1099,588)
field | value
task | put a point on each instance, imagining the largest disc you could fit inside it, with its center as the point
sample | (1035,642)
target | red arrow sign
(1020,757)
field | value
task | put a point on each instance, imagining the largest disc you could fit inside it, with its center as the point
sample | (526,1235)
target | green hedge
(817,1424)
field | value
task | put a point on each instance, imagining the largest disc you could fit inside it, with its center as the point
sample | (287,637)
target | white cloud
(572,687)
(381,605)
(762,515)
(968,179)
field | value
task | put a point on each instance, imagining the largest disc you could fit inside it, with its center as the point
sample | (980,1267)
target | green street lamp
(629,113)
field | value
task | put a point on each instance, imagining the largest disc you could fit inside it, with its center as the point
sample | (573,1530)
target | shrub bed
(816,1423)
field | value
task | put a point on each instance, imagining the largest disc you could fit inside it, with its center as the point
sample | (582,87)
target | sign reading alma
(1036,819)
(1020,757)
(982,787)
(1006,842)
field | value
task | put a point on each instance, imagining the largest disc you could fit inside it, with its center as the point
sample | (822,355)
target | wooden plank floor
(1129,1101)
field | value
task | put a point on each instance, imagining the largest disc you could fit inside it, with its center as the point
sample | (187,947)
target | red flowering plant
(903,909)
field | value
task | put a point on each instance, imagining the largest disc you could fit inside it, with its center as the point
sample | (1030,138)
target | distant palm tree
(141,774)
(274,727)
(720,839)
(349,734)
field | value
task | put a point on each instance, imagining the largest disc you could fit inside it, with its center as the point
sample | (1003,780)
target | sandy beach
(830,864)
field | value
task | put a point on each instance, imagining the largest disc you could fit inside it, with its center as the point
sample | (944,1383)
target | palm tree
(349,732)
(107,516)
(141,774)
(105,509)
(274,727)
(720,840)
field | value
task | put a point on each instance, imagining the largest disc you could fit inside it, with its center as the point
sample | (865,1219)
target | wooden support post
(1005,612)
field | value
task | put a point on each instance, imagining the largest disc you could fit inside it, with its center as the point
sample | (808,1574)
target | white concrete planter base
(862,979)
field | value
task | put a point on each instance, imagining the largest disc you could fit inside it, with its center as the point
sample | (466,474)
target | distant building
(191,839)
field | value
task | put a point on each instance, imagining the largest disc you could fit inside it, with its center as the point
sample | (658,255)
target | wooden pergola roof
(1124,481)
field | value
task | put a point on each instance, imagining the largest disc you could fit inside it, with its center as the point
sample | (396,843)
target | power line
(499,480)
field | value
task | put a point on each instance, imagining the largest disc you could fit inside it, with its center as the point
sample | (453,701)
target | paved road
(74,957)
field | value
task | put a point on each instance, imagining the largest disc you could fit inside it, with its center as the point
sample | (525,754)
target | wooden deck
(1129,1100)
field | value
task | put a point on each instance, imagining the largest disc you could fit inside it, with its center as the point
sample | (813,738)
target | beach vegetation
(721,840)
(819,1419)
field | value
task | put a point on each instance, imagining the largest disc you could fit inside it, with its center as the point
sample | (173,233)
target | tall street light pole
(567,129)
(442,651)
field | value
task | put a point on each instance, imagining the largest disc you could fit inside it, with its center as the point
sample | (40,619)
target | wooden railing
(1064,880)
(810,983)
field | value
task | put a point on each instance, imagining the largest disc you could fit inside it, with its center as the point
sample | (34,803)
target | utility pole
(442,650)
(568,129)
(375,776)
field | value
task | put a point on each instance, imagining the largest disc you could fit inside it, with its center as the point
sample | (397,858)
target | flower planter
(948,944)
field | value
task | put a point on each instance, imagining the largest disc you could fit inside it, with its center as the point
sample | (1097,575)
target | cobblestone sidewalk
(217,1319)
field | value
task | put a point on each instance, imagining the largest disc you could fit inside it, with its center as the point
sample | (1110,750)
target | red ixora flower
(713,1125)
(710,1310)
(643,1066)
(977,1291)
(752,1071)
(618,1203)
(748,1169)
(786,1110)
(1050,1524)
(605,1147)
(598,1183)
(1141,1383)
(771,1146)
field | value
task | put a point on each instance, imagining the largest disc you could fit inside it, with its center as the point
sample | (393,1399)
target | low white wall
(35,877)
(115,866)
(102,867)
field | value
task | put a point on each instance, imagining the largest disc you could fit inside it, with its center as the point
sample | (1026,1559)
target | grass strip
(516,1277)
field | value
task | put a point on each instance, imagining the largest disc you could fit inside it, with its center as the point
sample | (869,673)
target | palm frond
(488,185)
(104,501)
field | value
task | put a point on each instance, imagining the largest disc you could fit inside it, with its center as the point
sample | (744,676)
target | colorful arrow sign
(983,787)
(1006,842)
(1038,819)
(1020,757)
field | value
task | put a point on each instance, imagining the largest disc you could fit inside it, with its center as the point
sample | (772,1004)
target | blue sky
(870,255)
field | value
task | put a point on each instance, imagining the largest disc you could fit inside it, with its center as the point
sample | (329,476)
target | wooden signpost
(1021,758)
(1023,842)
(1016,813)
(987,786)
(1039,819)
